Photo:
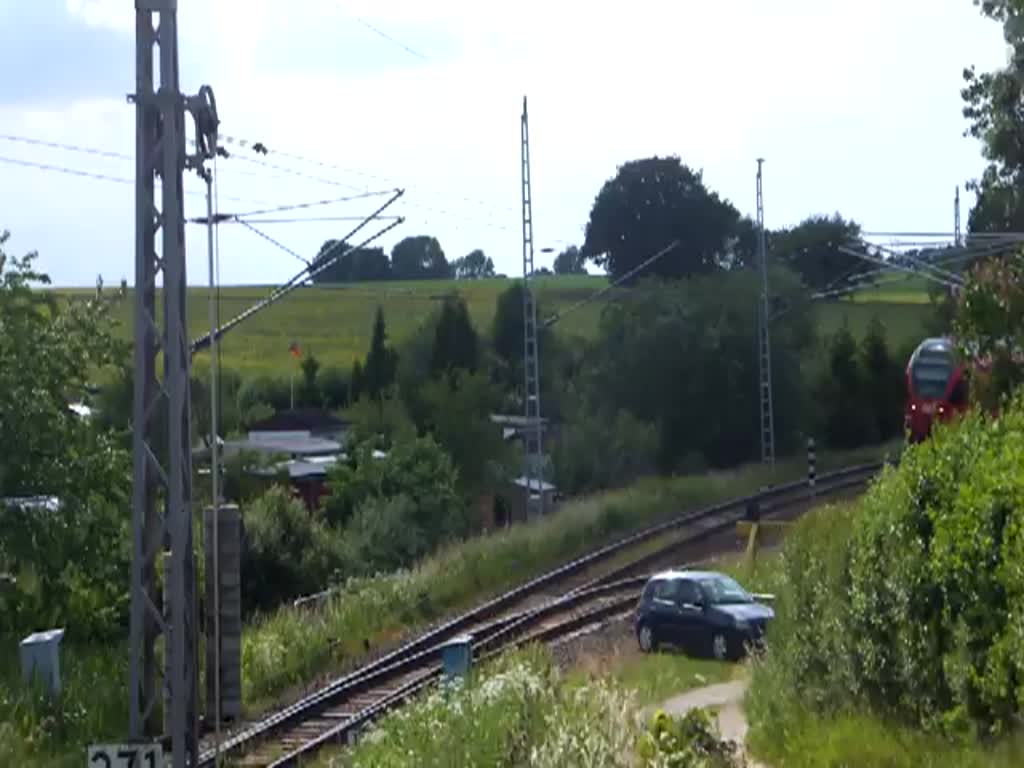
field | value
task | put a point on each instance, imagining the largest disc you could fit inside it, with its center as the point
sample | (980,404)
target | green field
(334,322)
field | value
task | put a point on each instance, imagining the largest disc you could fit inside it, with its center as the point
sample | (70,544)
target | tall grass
(92,707)
(521,712)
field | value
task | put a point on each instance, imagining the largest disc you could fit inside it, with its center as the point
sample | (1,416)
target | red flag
(294,349)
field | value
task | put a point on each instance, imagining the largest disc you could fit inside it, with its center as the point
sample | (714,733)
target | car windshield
(722,590)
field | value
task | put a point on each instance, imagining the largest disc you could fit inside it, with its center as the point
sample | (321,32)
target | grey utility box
(457,656)
(229,599)
(40,657)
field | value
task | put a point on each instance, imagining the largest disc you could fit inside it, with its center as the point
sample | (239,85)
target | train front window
(930,378)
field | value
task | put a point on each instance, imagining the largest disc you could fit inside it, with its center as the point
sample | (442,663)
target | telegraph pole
(162,492)
(956,218)
(764,342)
(534,446)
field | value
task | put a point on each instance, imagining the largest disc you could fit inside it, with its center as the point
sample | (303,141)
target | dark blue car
(701,611)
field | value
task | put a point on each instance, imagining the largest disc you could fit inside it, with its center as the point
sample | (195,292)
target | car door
(690,613)
(664,610)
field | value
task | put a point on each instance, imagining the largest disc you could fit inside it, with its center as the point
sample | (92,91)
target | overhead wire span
(107,177)
(262,149)
(597,294)
(272,241)
(65,169)
(321,263)
(315,203)
(64,146)
(306,219)
(895,266)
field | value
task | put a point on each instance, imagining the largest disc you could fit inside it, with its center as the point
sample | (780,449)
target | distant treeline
(420,257)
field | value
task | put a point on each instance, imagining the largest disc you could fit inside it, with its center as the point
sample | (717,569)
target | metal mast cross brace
(161,429)
(534,447)
(764,337)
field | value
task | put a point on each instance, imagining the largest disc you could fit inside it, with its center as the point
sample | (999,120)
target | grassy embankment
(334,322)
(286,651)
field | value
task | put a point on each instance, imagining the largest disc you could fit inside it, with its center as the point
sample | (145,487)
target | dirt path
(727,698)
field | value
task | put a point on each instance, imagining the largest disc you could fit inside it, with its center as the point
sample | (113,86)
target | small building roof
(522,482)
(515,420)
(38,503)
(294,445)
(301,419)
(297,469)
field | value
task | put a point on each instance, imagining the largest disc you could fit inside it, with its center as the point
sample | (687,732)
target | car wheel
(645,636)
(720,647)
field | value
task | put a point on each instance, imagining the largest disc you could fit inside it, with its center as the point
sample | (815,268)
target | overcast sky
(854,105)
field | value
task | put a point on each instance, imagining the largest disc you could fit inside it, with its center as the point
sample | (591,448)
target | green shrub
(288,552)
(417,469)
(597,453)
(686,741)
(383,535)
(911,604)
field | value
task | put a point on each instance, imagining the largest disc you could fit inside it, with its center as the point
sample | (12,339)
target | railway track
(587,591)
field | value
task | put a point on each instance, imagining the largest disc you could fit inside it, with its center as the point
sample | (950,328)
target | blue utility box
(457,656)
(40,656)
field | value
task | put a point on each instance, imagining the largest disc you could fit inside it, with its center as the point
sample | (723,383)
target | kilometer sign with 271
(126,756)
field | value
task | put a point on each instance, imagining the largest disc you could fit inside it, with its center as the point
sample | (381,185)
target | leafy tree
(68,565)
(416,469)
(884,381)
(355,265)
(458,416)
(991,105)
(357,381)
(474,265)
(989,327)
(414,368)
(380,536)
(507,338)
(287,552)
(812,250)
(262,393)
(381,362)
(455,340)
(848,421)
(309,394)
(383,424)
(334,387)
(648,204)
(419,258)
(596,452)
(570,262)
(683,357)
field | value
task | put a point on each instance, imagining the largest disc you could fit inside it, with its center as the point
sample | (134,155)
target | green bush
(417,469)
(912,603)
(287,553)
(383,536)
(597,453)
(687,741)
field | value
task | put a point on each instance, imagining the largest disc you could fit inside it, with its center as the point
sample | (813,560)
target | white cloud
(856,107)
